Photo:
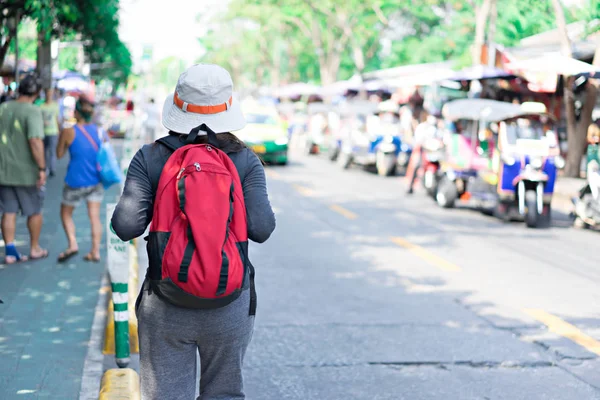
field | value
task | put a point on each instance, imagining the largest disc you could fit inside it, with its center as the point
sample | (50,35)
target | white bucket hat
(203,95)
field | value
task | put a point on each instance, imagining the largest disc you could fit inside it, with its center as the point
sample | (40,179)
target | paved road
(365,293)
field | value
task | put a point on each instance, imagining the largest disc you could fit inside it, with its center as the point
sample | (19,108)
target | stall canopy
(298,89)
(555,63)
(490,110)
(71,81)
(480,72)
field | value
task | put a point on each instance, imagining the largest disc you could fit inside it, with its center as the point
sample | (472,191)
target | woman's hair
(84,109)
(228,142)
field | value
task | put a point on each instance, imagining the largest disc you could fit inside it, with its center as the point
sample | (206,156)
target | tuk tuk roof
(490,110)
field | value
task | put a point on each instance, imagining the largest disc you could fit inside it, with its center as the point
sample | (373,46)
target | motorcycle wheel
(429,183)
(345,160)
(334,153)
(446,194)
(386,164)
(532,216)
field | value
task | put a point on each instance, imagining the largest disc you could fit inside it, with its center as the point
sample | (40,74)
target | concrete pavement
(46,318)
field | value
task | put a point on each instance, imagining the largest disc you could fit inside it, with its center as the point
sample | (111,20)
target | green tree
(93,21)
(325,40)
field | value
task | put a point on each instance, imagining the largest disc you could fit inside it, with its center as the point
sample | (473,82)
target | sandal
(67,254)
(90,258)
(19,258)
(44,254)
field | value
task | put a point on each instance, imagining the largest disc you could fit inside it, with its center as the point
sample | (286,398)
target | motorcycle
(433,154)
(587,205)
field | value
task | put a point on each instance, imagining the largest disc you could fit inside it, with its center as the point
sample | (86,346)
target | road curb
(109,332)
(120,384)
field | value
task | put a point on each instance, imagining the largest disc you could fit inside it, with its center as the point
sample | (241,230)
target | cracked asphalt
(450,310)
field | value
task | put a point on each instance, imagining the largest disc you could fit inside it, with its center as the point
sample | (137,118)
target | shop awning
(555,63)
(480,72)
(299,89)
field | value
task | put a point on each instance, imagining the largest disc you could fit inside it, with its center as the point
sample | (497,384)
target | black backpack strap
(174,142)
(171,141)
(212,136)
(252,292)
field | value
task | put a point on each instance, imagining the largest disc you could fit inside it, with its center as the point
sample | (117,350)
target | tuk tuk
(316,135)
(354,138)
(373,139)
(504,162)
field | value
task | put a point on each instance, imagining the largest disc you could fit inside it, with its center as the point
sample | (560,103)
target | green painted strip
(120,307)
(121,339)
(119,287)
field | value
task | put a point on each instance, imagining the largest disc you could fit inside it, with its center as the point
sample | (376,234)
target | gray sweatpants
(170,337)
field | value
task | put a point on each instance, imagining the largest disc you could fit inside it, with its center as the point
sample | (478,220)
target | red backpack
(198,240)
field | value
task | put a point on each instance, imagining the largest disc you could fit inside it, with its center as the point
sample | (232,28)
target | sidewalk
(48,308)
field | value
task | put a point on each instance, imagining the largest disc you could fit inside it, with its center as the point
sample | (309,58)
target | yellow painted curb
(109,332)
(120,384)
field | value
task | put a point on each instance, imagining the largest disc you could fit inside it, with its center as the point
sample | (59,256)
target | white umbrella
(73,84)
(555,63)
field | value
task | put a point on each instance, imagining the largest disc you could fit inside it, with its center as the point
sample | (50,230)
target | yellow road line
(303,190)
(431,258)
(342,211)
(565,329)
(272,174)
(120,383)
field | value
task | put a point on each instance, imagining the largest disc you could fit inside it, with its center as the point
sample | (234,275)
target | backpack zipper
(182,170)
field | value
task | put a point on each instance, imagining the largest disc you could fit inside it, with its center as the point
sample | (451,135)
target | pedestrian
(7,96)
(427,129)
(82,181)
(172,335)
(22,169)
(50,112)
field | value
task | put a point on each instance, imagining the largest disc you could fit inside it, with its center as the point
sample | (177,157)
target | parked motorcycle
(587,205)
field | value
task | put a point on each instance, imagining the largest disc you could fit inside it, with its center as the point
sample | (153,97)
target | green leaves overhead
(278,41)
(92,21)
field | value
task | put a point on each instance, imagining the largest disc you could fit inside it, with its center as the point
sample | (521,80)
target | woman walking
(82,181)
(50,112)
(172,335)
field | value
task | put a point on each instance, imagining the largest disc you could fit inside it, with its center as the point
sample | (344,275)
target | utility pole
(481,19)
(492,34)
(44,60)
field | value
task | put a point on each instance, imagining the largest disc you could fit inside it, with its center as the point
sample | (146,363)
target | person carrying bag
(203,193)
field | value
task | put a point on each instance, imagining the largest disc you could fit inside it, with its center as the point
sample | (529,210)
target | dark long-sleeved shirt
(134,210)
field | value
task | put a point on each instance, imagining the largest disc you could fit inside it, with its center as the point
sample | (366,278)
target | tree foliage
(93,21)
(274,41)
